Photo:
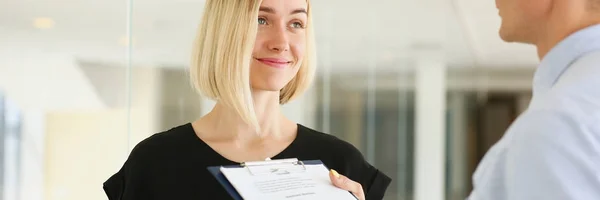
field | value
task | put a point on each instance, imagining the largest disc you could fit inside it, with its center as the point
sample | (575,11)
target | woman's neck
(227,125)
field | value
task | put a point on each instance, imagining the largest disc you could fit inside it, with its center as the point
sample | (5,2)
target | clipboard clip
(276,167)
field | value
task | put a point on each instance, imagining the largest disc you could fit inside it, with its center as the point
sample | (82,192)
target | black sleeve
(373,181)
(113,187)
(129,182)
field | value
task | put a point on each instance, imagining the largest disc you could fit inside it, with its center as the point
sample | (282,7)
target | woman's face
(280,43)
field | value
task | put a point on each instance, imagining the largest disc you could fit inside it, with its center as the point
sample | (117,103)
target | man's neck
(560,26)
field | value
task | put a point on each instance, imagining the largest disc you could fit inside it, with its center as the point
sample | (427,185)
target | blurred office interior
(422,87)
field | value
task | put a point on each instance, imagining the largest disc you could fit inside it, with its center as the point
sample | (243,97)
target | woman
(251,57)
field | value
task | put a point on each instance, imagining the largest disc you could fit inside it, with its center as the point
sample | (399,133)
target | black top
(173,165)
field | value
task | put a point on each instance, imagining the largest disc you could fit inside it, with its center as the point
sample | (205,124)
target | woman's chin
(271,85)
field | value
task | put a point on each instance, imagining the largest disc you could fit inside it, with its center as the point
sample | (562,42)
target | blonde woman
(251,56)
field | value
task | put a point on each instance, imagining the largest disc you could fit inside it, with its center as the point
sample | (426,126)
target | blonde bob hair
(222,52)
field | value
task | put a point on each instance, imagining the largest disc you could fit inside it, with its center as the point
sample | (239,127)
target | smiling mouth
(276,63)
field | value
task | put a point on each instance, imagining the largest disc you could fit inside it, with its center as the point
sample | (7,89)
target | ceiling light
(43,23)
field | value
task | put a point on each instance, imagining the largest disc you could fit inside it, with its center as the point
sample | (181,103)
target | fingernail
(335,173)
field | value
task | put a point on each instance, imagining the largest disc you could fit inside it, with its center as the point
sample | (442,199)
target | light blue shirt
(552,151)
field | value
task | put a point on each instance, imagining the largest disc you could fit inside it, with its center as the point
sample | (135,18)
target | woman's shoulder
(326,143)
(163,142)
(332,150)
(161,148)
(146,155)
(323,139)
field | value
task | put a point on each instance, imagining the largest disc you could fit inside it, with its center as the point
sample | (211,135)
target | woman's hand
(345,183)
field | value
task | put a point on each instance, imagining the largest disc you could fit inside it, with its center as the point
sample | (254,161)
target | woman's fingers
(345,183)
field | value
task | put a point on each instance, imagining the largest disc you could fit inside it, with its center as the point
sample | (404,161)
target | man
(552,151)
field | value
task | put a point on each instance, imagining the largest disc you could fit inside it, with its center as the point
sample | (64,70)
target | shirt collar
(564,54)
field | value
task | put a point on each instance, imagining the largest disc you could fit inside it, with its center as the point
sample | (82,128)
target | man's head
(526,21)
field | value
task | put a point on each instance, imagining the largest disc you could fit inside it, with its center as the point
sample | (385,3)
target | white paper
(312,184)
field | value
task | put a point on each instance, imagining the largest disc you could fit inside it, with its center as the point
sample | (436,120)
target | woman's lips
(274,62)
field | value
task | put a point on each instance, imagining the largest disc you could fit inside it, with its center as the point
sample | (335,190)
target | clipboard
(216,171)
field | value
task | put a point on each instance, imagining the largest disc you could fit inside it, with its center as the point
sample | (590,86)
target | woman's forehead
(285,4)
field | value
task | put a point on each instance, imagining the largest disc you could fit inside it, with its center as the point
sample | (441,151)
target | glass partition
(82,82)
(64,80)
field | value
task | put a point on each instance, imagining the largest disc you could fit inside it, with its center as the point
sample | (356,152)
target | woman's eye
(262,21)
(297,25)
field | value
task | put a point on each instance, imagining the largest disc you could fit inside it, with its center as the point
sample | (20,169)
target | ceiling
(351,33)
